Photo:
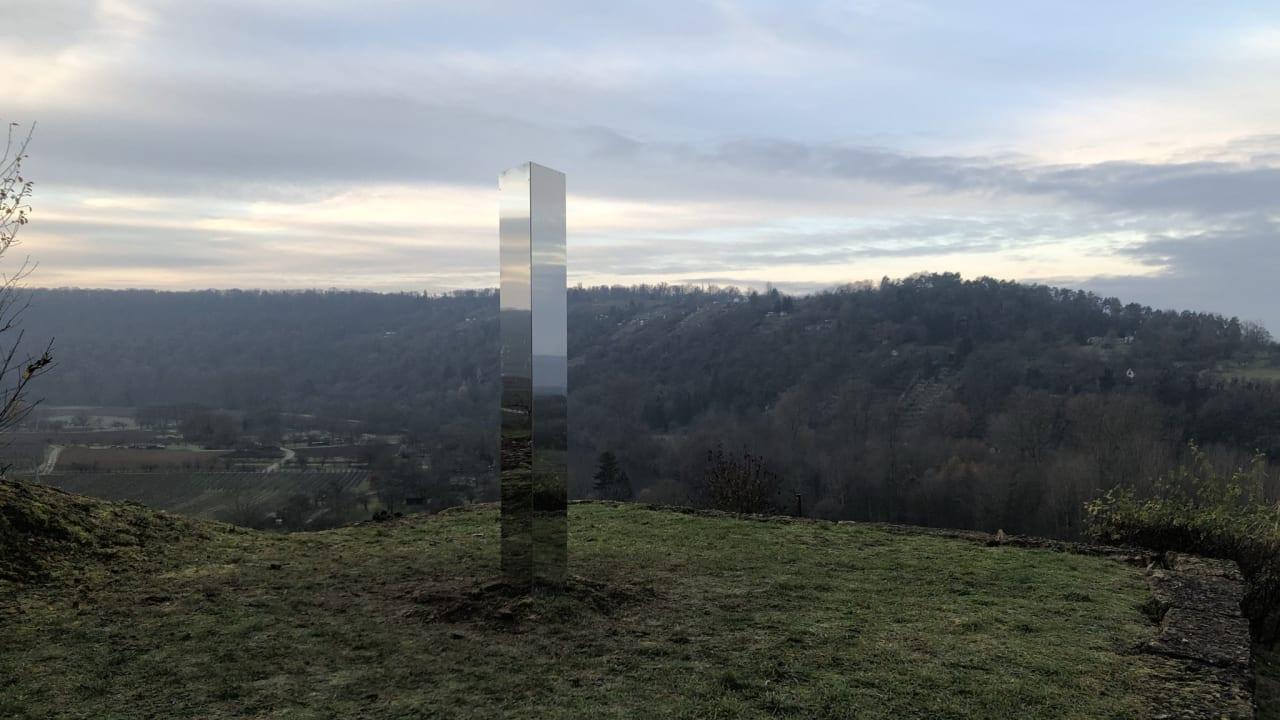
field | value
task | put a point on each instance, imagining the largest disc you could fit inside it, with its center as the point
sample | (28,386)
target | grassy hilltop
(111,610)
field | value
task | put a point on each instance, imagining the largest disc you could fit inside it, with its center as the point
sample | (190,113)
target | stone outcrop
(1204,637)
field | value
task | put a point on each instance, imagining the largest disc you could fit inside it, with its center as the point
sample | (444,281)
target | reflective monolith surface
(534,341)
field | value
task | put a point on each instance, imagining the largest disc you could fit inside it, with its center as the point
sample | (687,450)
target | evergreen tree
(611,481)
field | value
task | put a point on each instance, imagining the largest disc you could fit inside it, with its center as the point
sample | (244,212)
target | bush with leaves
(1200,510)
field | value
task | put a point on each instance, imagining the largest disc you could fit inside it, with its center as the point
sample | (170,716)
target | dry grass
(668,616)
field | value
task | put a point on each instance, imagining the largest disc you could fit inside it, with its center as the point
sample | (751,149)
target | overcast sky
(1129,147)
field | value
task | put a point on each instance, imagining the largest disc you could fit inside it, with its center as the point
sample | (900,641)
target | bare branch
(18,367)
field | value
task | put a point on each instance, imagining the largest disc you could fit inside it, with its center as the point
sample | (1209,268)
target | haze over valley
(932,400)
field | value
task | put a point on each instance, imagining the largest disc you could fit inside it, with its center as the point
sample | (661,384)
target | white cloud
(315,143)
(1261,43)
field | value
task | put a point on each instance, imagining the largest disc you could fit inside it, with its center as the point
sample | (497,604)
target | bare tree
(740,485)
(18,368)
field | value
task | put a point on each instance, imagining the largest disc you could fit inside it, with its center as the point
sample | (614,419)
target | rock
(1212,593)
(1206,637)
(1202,566)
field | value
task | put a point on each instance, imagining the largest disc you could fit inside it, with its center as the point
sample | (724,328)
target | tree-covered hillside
(930,400)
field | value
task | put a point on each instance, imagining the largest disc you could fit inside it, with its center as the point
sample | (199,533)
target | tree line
(931,399)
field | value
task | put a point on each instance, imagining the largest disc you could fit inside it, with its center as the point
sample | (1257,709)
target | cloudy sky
(1131,147)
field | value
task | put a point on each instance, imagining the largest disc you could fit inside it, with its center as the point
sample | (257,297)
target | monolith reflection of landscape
(534,342)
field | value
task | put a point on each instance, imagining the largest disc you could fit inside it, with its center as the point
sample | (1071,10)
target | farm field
(78,458)
(24,449)
(331,456)
(350,452)
(210,495)
(119,417)
(1257,370)
(88,437)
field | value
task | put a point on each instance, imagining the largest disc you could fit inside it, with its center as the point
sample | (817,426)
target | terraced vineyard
(210,495)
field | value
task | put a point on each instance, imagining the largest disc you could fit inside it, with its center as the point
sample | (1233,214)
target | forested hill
(932,400)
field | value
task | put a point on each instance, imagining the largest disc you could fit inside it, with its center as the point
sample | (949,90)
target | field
(1258,370)
(331,453)
(109,459)
(87,415)
(667,615)
(25,449)
(208,495)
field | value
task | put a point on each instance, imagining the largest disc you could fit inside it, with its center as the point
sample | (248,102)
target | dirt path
(50,459)
(288,455)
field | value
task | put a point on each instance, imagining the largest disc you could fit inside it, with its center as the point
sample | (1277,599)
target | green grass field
(668,616)
(1258,370)
(207,495)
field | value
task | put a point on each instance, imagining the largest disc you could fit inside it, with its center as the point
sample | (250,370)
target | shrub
(739,484)
(1200,510)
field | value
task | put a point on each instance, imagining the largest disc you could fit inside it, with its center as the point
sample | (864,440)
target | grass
(1254,369)
(668,616)
(209,495)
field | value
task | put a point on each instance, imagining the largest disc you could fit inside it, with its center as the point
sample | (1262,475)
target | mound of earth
(41,527)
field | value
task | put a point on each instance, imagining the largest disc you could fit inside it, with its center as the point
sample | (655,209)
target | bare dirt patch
(497,604)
